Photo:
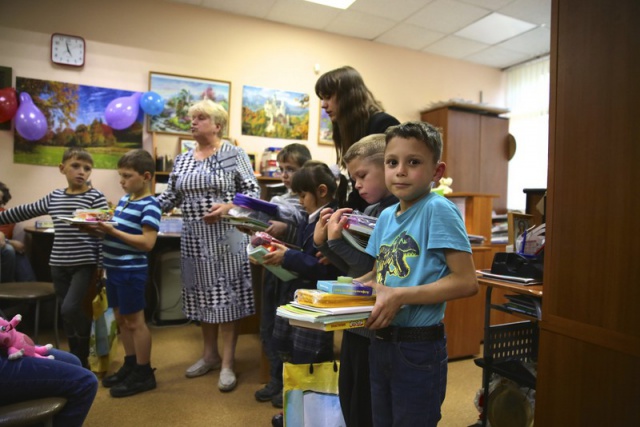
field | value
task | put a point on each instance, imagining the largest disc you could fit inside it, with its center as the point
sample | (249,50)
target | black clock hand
(68,50)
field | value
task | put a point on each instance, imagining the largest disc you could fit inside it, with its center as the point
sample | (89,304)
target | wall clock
(67,50)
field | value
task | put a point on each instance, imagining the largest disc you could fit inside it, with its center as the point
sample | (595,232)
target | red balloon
(8,104)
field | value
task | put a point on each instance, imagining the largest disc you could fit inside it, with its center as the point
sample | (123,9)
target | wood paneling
(475,151)
(590,343)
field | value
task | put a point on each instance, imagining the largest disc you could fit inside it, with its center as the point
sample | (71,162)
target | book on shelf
(257,253)
(342,288)
(476,239)
(526,281)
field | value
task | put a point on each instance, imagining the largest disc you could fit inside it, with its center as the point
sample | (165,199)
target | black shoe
(135,383)
(266,393)
(277,420)
(118,377)
(276,400)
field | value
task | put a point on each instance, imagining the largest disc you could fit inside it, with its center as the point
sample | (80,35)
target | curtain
(528,100)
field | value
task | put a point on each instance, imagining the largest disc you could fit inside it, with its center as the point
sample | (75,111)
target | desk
(40,241)
(507,346)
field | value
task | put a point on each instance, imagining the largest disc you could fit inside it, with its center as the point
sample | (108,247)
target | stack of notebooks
(251,213)
(261,244)
(358,229)
(346,306)
(523,304)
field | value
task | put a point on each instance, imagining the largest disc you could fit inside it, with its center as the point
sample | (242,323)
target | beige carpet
(179,401)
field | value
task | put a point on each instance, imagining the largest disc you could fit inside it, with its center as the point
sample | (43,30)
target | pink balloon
(123,112)
(31,124)
(8,104)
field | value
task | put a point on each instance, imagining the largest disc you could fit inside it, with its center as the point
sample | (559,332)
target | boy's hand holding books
(337,222)
(386,307)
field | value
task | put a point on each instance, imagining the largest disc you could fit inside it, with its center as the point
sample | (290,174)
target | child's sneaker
(135,383)
(118,377)
(266,393)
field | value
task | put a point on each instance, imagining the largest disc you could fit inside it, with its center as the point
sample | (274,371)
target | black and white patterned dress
(215,265)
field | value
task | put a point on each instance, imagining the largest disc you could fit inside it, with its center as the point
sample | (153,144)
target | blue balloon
(152,103)
(31,124)
(122,112)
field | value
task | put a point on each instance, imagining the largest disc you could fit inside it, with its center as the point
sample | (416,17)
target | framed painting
(179,93)
(6,80)
(325,129)
(75,118)
(517,223)
(274,113)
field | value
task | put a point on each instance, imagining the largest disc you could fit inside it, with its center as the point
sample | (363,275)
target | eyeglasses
(287,171)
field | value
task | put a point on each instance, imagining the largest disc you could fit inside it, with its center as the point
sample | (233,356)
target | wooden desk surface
(534,290)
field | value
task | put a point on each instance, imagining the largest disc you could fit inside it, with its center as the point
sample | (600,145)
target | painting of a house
(275,113)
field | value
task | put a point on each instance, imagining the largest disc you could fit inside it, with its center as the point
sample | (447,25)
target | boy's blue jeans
(30,378)
(408,382)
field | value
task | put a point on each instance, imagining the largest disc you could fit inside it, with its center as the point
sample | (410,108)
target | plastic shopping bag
(311,395)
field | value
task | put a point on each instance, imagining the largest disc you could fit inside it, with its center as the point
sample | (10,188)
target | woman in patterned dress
(216,275)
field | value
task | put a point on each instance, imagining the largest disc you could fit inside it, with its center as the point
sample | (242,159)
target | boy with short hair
(74,255)
(125,250)
(365,163)
(274,293)
(423,259)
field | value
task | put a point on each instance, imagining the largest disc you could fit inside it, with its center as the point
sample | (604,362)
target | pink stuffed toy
(19,344)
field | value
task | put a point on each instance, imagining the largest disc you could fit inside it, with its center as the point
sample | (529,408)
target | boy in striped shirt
(125,250)
(74,255)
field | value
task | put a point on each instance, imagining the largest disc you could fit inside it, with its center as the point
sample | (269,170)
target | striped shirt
(131,215)
(70,245)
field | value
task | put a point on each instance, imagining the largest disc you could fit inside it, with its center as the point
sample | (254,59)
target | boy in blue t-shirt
(125,250)
(423,259)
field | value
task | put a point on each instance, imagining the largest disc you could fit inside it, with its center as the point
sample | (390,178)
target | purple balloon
(123,112)
(31,124)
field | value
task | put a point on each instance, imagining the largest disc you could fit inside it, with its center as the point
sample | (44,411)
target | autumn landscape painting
(75,118)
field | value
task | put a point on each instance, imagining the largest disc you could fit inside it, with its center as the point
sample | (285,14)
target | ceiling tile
(397,10)
(495,28)
(302,14)
(488,4)
(409,36)
(455,47)
(536,11)
(535,42)
(497,57)
(357,24)
(446,16)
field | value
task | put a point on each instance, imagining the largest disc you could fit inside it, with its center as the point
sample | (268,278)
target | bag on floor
(311,395)
(103,343)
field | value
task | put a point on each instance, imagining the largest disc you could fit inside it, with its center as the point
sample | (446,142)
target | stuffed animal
(19,344)
(445,186)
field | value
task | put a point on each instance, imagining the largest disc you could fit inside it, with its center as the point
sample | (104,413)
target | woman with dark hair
(354,113)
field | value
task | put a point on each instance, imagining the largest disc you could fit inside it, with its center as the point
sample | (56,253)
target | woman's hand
(386,307)
(320,231)
(216,211)
(275,257)
(18,246)
(336,223)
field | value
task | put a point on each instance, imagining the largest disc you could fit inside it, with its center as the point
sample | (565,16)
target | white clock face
(67,50)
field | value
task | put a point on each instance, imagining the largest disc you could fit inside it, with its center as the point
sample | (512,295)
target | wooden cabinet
(463,317)
(475,151)
(589,355)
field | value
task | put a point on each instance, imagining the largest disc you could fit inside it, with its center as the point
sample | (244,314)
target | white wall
(127,39)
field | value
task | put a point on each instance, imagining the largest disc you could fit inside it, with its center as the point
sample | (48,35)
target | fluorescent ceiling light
(495,28)
(338,4)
